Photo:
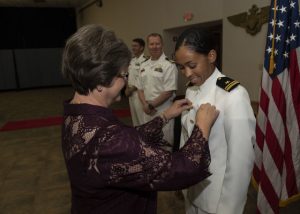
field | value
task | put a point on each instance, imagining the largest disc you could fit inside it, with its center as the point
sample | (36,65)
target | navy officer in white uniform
(136,109)
(157,84)
(233,135)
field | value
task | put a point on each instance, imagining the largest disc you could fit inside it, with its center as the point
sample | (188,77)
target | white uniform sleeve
(131,72)
(138,83)
(239,125)
(170,77)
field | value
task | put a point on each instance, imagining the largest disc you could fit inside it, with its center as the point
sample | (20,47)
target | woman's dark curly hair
(93,56)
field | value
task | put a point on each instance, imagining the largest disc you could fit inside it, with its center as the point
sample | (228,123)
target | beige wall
(242,53)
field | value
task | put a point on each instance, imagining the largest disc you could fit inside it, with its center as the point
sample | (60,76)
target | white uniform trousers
(136,109)
(191,208)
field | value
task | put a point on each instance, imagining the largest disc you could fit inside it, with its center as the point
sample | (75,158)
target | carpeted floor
(33,177)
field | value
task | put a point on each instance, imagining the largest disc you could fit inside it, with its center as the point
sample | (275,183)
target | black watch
(150,106)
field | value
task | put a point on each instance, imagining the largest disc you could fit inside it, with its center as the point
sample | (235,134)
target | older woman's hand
(205,118)
(177,108)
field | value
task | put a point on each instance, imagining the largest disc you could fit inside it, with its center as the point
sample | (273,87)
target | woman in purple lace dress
(115,168)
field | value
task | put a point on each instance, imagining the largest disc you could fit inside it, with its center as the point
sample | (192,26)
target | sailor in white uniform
(136,108)
(232,136)
(157,84)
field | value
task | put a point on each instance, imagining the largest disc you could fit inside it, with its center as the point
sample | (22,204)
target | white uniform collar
(162,57)
(205,87)
(140,58)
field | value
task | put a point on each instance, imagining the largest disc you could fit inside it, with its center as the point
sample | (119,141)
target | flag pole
(271,67)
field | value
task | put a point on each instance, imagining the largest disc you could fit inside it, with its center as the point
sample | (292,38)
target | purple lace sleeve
(116,155)
(189,165)
(152,131)
(156,169)
(193,142)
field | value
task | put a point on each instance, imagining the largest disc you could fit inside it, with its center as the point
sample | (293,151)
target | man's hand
(149,109)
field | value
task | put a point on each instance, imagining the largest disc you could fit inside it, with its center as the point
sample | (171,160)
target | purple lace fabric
(106,158)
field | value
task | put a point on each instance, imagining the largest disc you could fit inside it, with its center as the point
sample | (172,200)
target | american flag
(277,163)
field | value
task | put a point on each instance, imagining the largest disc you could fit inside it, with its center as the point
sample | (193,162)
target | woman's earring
(99,89)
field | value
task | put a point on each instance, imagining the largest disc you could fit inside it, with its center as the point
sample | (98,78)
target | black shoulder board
(227,83)
(172,61)
(146,58)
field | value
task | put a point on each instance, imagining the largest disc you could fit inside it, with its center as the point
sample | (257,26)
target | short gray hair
(93,56)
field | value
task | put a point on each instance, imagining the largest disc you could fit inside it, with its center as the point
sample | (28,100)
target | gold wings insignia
(252,20)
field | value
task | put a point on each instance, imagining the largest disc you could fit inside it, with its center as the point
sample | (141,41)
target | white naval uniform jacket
(156,77)
(134,68)
(136,108)
(231,143)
